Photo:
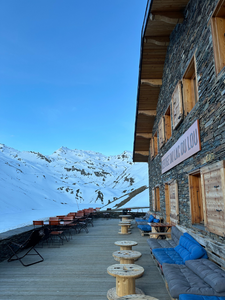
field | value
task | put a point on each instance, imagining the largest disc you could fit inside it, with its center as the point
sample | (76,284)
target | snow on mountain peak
(31,181)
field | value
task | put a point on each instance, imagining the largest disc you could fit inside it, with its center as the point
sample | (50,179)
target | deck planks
(78,269)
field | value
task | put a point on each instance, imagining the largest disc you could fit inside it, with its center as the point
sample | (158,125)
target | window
(153,146)
(168,129)
(218,31)
(190,87)
(174,204)
(161,131)
(177,106)
(167,202)
(164,128)
(155,199)
(185,95)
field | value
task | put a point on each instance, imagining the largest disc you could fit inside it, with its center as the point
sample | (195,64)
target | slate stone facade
(193,36)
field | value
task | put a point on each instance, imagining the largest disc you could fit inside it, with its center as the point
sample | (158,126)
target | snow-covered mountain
(68,180)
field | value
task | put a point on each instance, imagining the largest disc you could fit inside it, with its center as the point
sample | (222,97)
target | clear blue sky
(69,74)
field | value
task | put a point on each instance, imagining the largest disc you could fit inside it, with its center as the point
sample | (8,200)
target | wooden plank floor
(78,269)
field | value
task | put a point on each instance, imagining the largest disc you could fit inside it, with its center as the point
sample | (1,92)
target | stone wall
(191,37)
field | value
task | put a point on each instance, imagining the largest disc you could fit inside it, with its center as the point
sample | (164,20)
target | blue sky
(69,74)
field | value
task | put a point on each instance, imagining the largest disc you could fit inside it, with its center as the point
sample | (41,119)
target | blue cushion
(199,297)
(141,220)
(156,220)
(167,255)
(145,227)
(189,248)
(194,241)
(151,219)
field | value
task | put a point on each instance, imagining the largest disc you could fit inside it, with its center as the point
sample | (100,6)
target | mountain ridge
(67,176)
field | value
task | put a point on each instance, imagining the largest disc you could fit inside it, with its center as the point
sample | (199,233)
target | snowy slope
(36,186)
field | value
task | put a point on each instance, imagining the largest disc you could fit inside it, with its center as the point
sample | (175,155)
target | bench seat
(199,297)
(171,243)
(198,277)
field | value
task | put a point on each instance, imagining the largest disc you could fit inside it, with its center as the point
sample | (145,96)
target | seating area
(187,270)
(78,269)
(53,231)
(143,223)
(184,267)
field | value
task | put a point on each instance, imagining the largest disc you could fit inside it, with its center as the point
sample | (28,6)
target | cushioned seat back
(210,272)
(150,219)
(197,243)
(156,220)
(189,249)
(145,227)
(176,234)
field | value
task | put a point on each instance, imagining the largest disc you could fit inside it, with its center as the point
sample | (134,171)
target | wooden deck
(78,269)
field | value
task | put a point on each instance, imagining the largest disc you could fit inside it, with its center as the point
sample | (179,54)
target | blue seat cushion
(156,220)
(151,219)
(140,220)
(199,297)
(145,227)
(167,255)
(189,248)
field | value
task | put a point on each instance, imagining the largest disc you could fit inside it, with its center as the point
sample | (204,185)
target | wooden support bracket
(143,153)
(150,113)
(144,135)
(164,19)
(152,40)
(152,82)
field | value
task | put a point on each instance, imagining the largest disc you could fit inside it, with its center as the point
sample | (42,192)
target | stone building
(180,117)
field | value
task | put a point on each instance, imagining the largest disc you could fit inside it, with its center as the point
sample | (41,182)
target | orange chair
(38,223)
(55,231)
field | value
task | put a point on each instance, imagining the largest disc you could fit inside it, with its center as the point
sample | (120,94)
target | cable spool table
(125,245)
(125,280)
(124,228)
(126,256)
(125,217)
(137,297)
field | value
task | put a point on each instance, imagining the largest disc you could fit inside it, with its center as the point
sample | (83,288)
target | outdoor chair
(82,222)
(56,231)
(69,223)
(35,237)
(38,224)
(53,219)
(88,217)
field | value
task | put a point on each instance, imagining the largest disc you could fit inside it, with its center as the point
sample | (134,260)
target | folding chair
(56,231)
(35,237)
(38,223)
(82,222)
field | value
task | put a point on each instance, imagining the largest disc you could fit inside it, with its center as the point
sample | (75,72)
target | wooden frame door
(167,202)
(196,203)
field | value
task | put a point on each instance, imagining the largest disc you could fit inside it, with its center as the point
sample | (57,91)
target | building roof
(161,17)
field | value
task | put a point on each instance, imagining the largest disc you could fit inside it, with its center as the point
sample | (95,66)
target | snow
(35,187)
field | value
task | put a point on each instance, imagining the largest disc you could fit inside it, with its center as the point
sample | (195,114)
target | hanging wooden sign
(187,145)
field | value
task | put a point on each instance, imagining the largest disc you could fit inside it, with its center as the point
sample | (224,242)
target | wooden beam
(150,113)
(164,19)
(143,153)
(152,82)
(144,135)
(152,40)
